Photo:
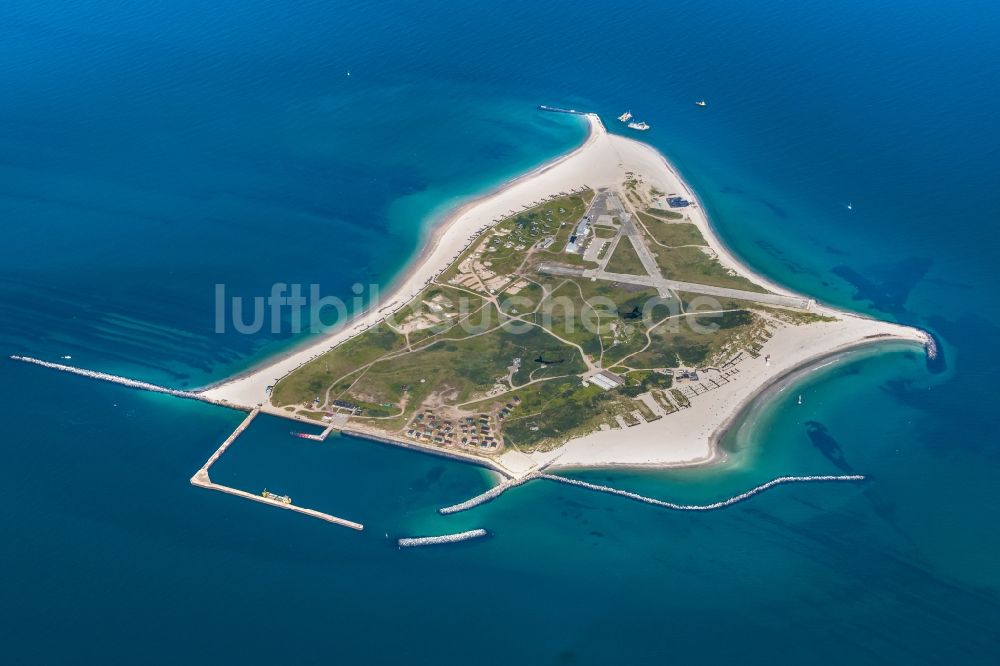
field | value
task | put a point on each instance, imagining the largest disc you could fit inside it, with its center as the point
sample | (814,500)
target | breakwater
(490,494)
(411,542)
(703,507)
(202,479)
(123,381)
(229,440)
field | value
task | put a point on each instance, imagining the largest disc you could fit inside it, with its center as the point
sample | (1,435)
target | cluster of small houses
(468,431)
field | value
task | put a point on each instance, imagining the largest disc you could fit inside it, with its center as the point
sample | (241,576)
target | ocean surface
(150,151)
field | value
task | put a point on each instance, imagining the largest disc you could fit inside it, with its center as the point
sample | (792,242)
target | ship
(640,126)
(284,499)
(625,117)
(701,102)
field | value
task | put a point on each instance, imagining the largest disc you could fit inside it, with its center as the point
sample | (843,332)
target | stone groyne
(123,381)
(701,507)
(412,542)
(490,494)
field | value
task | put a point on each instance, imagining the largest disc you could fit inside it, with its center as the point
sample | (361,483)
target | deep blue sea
(151,150)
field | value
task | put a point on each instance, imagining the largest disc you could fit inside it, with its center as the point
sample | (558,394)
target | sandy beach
(683,438)
(589,164)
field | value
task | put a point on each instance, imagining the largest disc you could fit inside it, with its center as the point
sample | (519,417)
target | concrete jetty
(229,440)
(203,480)
(321,437)
(703,507)
(411,542)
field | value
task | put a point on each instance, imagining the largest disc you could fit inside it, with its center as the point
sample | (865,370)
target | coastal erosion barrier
(115,379)
(411,542)
(500,488)
(490,494)
(203,480)
(702,507)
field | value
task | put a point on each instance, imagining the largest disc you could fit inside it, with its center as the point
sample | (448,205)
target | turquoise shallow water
(149,151)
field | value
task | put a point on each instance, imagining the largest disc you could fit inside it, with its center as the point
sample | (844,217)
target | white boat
(625,117)
(800,399)
(701,102)
(640,126)
(67,357)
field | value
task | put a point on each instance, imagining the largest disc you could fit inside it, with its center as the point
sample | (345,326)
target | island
(583,315)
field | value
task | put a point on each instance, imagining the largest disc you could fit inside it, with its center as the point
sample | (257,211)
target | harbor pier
(202,479)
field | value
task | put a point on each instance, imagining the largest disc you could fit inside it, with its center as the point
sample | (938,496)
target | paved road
(665,286)
(629,232)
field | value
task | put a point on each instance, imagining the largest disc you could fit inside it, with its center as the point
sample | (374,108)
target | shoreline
(692,439)
(726,256)
(430,239)
(763,394)
(792,376)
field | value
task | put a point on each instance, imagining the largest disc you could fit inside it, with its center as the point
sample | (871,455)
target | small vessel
(284,499)
(850,206)
(67,357)
(800,399)
(640,126)
(625,117)
(701,102)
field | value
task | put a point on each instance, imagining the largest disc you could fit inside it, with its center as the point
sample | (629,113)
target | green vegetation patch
(625,259)
(700,340)
(664,214)
(692,264)
(644,381)
(314,378)
(672,234)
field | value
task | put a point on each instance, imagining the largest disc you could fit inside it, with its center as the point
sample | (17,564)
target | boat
(701,102)
(625,117)
(850,206)
(800,399)
(67,357)
(640,126)
(284,499)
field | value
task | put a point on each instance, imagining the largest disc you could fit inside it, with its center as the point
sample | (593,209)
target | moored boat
(640,126)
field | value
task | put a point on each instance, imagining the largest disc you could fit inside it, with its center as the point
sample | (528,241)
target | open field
(672,234)
(625,260)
